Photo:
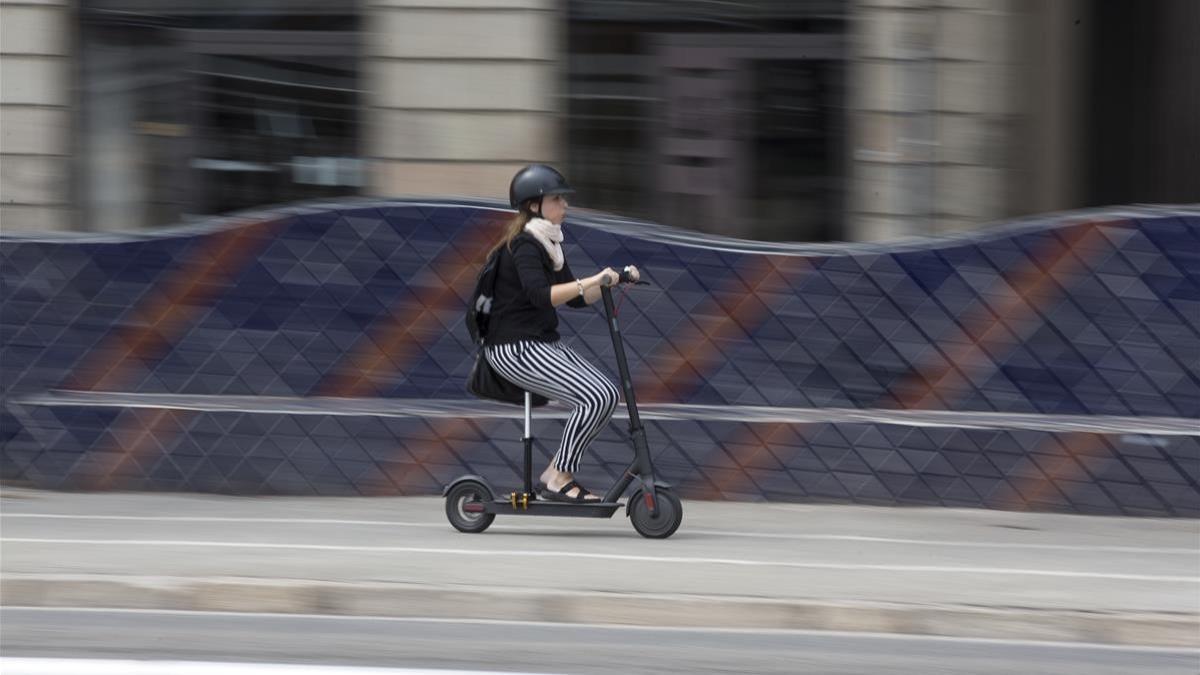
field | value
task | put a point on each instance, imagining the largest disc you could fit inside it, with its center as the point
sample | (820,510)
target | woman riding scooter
(522,344)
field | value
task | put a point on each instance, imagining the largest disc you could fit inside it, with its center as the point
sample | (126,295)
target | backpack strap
(479,309)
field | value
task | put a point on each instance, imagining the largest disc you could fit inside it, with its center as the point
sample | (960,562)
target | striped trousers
(558,373)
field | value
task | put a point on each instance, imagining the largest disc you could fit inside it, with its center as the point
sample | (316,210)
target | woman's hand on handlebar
(629,275)
(608,273)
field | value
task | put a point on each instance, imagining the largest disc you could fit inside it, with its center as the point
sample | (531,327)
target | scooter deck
(545,507)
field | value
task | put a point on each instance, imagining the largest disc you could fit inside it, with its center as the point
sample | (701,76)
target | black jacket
(521,308)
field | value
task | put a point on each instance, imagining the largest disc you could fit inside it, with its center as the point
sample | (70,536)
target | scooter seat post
(528,414)
(528,442)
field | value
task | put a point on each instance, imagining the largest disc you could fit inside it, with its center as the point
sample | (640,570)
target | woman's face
(554,208)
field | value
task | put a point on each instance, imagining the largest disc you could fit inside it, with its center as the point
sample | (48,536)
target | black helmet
(536,180)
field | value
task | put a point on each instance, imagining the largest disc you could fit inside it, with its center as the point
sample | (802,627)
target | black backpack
(485,382)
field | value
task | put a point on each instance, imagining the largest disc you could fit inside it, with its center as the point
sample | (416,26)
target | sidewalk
(951,572)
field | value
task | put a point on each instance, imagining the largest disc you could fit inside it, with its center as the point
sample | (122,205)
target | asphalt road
(836,553)
(543,648)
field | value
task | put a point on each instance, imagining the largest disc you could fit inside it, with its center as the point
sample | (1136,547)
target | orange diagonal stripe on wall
(1077,445)
(1028,282)
(132,439)
(1033,489)
(393,347)
(681,353)
(985,331)
(165,314)
(221,256)
(699,344)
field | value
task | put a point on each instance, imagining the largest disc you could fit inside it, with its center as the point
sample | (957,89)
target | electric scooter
(653,509)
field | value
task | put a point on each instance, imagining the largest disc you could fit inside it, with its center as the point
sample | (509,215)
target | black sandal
(561,494)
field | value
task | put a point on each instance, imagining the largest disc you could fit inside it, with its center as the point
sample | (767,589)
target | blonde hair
(514,227)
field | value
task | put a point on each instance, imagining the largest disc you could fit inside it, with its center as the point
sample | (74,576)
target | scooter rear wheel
(670,514)
(458,510)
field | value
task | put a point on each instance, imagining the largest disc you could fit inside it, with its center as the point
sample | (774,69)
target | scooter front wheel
(464,506)
(661,526)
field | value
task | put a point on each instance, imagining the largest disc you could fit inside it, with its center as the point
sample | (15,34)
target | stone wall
(35,106)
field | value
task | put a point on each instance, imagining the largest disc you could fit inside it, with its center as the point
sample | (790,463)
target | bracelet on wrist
(580,284)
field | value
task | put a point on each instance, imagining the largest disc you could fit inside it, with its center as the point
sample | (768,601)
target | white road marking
(37,666)
(675,560)
(714,533)
(233,616)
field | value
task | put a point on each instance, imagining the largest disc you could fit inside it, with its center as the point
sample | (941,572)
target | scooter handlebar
(624,278)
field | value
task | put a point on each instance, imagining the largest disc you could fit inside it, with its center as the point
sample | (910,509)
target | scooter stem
(635,421)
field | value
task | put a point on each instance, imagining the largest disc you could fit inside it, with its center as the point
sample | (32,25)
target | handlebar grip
(623,277)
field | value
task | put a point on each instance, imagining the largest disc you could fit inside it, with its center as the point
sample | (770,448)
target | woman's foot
(556,480)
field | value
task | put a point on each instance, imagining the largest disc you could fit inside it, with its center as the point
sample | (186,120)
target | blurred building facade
(803,120)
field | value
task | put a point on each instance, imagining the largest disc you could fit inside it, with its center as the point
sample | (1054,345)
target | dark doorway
(1143,117)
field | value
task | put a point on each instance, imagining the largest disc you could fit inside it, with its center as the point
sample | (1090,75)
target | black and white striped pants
(557,372)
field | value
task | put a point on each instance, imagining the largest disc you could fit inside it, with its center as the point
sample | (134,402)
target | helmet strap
(527,207)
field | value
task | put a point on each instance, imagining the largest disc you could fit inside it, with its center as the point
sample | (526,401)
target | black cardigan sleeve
(564,275)
(530,260)
(531,270)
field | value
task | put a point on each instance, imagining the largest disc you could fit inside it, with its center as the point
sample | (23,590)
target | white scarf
(551,237)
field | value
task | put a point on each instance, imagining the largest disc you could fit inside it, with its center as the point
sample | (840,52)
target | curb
(240,594)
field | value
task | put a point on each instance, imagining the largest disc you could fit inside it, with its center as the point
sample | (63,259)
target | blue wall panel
(1079,316)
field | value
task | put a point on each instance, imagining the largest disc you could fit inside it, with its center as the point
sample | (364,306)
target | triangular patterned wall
(1095,315)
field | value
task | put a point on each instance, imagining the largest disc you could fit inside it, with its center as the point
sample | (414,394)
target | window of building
(724,118)
(189,109)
